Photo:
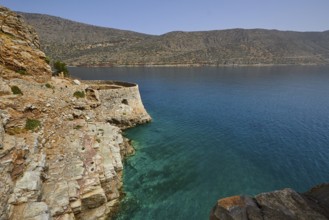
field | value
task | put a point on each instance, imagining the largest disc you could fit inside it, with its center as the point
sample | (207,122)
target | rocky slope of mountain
(20,49)
(81,44)
(61,143)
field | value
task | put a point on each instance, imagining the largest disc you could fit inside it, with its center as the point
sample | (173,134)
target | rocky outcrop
(20,49)
(283,204)
(61,143)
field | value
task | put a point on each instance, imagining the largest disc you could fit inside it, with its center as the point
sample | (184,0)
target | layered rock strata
(283,204)
(61,143)
(20,49)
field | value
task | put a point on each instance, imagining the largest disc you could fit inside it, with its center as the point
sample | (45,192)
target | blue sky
(158,17)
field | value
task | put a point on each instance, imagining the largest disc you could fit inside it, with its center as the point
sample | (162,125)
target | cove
(221,131)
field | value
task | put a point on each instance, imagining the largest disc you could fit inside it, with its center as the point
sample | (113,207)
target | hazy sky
(158,17)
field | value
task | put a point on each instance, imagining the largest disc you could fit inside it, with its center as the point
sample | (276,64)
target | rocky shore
(284,204)
(61,143)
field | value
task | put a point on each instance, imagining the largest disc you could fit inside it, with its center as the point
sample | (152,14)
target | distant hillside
(82,44)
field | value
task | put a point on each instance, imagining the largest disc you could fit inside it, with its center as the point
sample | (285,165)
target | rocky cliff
(20,49)
(61,143)
(283,204)
(82,44)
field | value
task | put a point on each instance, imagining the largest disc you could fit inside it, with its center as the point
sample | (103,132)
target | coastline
(79,147)
(61,142)
(196,65)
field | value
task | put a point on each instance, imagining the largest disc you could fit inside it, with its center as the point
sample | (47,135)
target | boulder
(283,204)
(76,82)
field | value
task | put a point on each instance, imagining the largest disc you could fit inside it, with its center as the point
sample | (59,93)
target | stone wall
(121,102)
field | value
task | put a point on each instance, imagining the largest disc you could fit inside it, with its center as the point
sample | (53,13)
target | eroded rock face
(283,204)
(60,155)
(20,54)
(72,162)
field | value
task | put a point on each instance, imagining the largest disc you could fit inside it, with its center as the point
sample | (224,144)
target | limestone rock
(4,88)
(19,49)
(76,206)
(31,211)
(94,214)
(2,134)
(30,181)
(236,208)
(286,204)
(76,82)
(70,167)
(283,204)
(36,211)
(57,197)
(93,199)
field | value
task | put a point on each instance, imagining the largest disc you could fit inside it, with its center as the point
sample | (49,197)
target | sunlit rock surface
(60,154)
(283,204)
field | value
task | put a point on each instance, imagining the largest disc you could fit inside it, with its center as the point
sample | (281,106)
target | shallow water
(218,132)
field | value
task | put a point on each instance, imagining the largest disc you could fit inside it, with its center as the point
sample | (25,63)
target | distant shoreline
(195,65)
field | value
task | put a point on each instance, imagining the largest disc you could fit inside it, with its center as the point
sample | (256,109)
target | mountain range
(80,44)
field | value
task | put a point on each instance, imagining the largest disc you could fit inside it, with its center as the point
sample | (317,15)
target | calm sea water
(219,132)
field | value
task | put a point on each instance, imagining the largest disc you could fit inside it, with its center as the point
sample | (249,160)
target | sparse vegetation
(49,86)
(22,71)
(14,130)
(32,124)
(98,140)
(77,127)
(61,68)
(47,59)
(16,90)
(111,47)
(79,94)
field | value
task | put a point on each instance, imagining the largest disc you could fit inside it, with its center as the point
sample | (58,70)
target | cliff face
(61,146)
(283,204)
(20,49)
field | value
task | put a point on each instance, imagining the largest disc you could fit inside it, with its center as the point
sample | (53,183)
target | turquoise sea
(223,131)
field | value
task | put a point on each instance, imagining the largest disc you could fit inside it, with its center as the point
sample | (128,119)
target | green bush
(49,86)
(77,127)
(16,91)
(32,124)
(47,59)
(61,67)
(22,71)
(79,94)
